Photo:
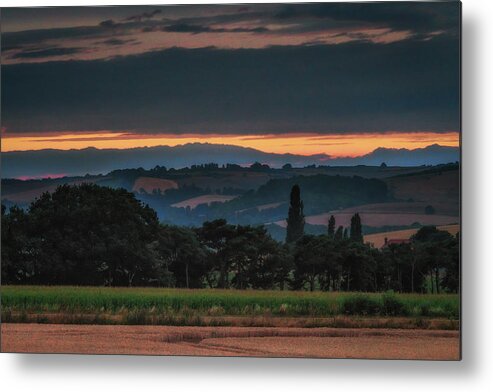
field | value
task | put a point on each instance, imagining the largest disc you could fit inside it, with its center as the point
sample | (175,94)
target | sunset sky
(340,79)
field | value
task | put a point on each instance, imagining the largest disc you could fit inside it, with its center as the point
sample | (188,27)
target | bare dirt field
(231,341)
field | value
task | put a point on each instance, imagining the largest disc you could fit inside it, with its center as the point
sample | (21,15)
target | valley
(387,198)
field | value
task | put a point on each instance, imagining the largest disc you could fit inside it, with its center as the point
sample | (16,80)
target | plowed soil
(231,341)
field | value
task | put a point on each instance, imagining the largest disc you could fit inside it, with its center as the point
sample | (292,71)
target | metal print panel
(268,180)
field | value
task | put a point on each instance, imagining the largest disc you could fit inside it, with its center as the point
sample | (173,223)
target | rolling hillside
(432,187)
(384,196)
(90,160)
(205,199)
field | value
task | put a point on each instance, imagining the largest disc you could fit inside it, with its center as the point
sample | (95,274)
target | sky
(334,78)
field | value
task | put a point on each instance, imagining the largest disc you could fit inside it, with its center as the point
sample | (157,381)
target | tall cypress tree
(356,230)
(296,219)
(331,229)
(339,235)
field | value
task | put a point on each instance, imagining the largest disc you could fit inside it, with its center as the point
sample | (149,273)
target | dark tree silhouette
(83,234)
(216,236)
(356,234)
(182,254)
(331,229)
(296,220)
(92,235)
(429,210)
(339,235)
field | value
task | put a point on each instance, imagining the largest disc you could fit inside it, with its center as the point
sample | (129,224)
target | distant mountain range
(50,162)
(431,155)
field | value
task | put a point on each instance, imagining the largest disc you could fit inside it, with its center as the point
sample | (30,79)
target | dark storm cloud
(197,29)
(142,16)
(186,28)
(109,23)
(420,17)
(356,87)
(18,39)
(50,52)
(419,20)
(14,44)
(117,41)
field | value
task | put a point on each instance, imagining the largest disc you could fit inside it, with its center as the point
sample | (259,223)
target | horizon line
(226,145)
(350,145)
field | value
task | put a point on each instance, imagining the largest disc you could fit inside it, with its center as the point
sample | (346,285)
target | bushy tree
(19,248)
(402,275)
(182,255)
(86,234)
(308,260)
(451,278)
(256,258)
(92,235)
(216,237)
(331,275)
(433,250)
(358,267)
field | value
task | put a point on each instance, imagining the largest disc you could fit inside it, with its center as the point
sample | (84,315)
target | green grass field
(138,303)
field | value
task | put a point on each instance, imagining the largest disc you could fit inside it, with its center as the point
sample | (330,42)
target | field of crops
(142,302)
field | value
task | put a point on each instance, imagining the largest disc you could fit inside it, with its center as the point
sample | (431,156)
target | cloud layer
(324,68)
(256,26)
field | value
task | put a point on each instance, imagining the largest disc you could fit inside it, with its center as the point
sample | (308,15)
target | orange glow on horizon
(340,145)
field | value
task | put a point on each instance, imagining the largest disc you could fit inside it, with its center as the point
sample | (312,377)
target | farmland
(379,219)
(149,185)
(379,239)
(262,194)
(232,341)
(155,321)
(406,207)
(205,199)
(434,188)
(218,307)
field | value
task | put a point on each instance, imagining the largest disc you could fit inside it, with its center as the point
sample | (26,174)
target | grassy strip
(197,303)
(143,317)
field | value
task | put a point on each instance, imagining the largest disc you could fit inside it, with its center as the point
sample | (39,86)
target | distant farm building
(395,241)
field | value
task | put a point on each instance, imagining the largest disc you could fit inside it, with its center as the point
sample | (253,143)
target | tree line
(92,235)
